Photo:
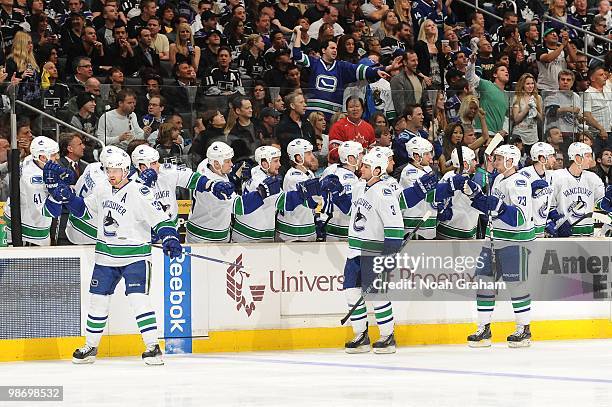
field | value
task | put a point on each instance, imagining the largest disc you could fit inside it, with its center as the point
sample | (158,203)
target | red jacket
(346,130)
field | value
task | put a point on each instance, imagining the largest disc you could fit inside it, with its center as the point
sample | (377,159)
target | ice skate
(521,338)
(153,356)
(386,344)
(85,355)
(482,337)
(359,344)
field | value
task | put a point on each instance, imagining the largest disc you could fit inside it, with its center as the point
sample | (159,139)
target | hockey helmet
(418,145)
(144,154)
(219,152)
(298,147)
(44,146)
(509,152)
(349,148)
(376,160)
(385,150)
(578,148)
(266,153)
(468,156)
(541,149)
(116,158)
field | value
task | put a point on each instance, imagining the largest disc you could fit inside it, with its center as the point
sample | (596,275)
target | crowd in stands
(180,75)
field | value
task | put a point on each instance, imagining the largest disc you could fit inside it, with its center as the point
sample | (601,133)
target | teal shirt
(495,103)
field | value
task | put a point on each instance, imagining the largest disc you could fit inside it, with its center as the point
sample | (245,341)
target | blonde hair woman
(526,110)
(426,48)
(403,9)
(184,48)
(22,69)
(386,25)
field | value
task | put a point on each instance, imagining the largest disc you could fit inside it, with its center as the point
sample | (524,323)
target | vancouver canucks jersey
(541,202)
(80,231)
(337,227)
(210,218)
(464,222)
(392,183)
(574,197)
(299,223)
(513,190)
(125,217)
(413,215)
(35,219)
(375,216)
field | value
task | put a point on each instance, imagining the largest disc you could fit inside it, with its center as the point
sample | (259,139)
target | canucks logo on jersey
(577,208)
(326,83)
(543,210)
(110,225)
(360,221)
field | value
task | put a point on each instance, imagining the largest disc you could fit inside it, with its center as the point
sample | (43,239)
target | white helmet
(376,160)
(541,149)
(266,153)
(509,152)
(116,158)
(385,150)
(44,146)
(418,145)
(109,150)
(468,155)
(298,147)
(144,154)
(349,148)
(219,152)
(578,148)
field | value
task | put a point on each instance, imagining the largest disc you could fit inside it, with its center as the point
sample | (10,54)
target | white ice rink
(568,373)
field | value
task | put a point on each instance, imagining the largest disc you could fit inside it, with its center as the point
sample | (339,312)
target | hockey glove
(425,184)
(489,204)
(309,188)
(537,186)
(391,246)
(54,171)
(471,189)
(269,186)
(220,189)
(148,177)
(444,191)
(172,246)
(458,182)
(332,184)
(445,212)
(62,193)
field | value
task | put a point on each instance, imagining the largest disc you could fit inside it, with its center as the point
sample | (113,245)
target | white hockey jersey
(337,227)
(513,190)
(258,226)
(393,184)
(463,224)
(80,231)
(210,218)
(124,221)
(375,215)
(297,225)
(169,177)
(35,220)
(574,197)
(541,202)
(413,215)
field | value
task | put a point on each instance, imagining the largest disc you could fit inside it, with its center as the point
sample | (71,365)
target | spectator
(168,144)
(319,124)
(603,10)
(11,21)
(92,85)
(210,50)
(347,50)
(351,128)
(236,36)
(154,117)
(105,33)
(244,136)
(287,15)
(604,163)
(551,58)
(330,16)
(214,124)
(492,95)
(554,137)
(55,94)
(526,111)
(350,14)
(116,80)
(251,61)
(148,8)
(86,120)
(83,69)
(177,93)
(429,56)
(269,120)
(72,31)
(223,80)
(278,42)
(408,87)
(90,47)
(293,125)
(120,126)
(120,53)
(563,109)
(184,50)
(145,57)
(316,11)
(597,102)
(386,26)
(374,10)
(23,70)
(159,41)
(596,46)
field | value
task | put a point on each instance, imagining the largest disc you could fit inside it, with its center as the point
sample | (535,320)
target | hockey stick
(368,290)
(214,260)
(497,140)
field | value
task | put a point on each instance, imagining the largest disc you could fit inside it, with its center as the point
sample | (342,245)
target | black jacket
(288,130)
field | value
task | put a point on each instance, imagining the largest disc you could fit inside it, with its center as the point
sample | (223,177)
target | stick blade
(494,143)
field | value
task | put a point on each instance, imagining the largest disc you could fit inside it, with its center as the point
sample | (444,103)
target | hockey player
(539,175)
(386,176)
(350,153)
(298,225)
(81,231)
(259,226)
(210,219)
(420,155)
(509,206)
(35,217)
(576,192)
(458,219)
(126,211)
(163,180)
(329,76)
(376,225)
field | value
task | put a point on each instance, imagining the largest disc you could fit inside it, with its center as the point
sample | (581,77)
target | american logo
(239,289)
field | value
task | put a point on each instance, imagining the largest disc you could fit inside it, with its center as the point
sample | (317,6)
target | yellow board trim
(12,350)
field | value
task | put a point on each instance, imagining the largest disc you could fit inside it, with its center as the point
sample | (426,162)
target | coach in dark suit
(71,151)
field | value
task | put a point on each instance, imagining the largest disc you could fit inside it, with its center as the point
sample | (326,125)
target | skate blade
(485,343)
(155,361)
(522,344)
(359,349)
(85,361)
(385,351)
